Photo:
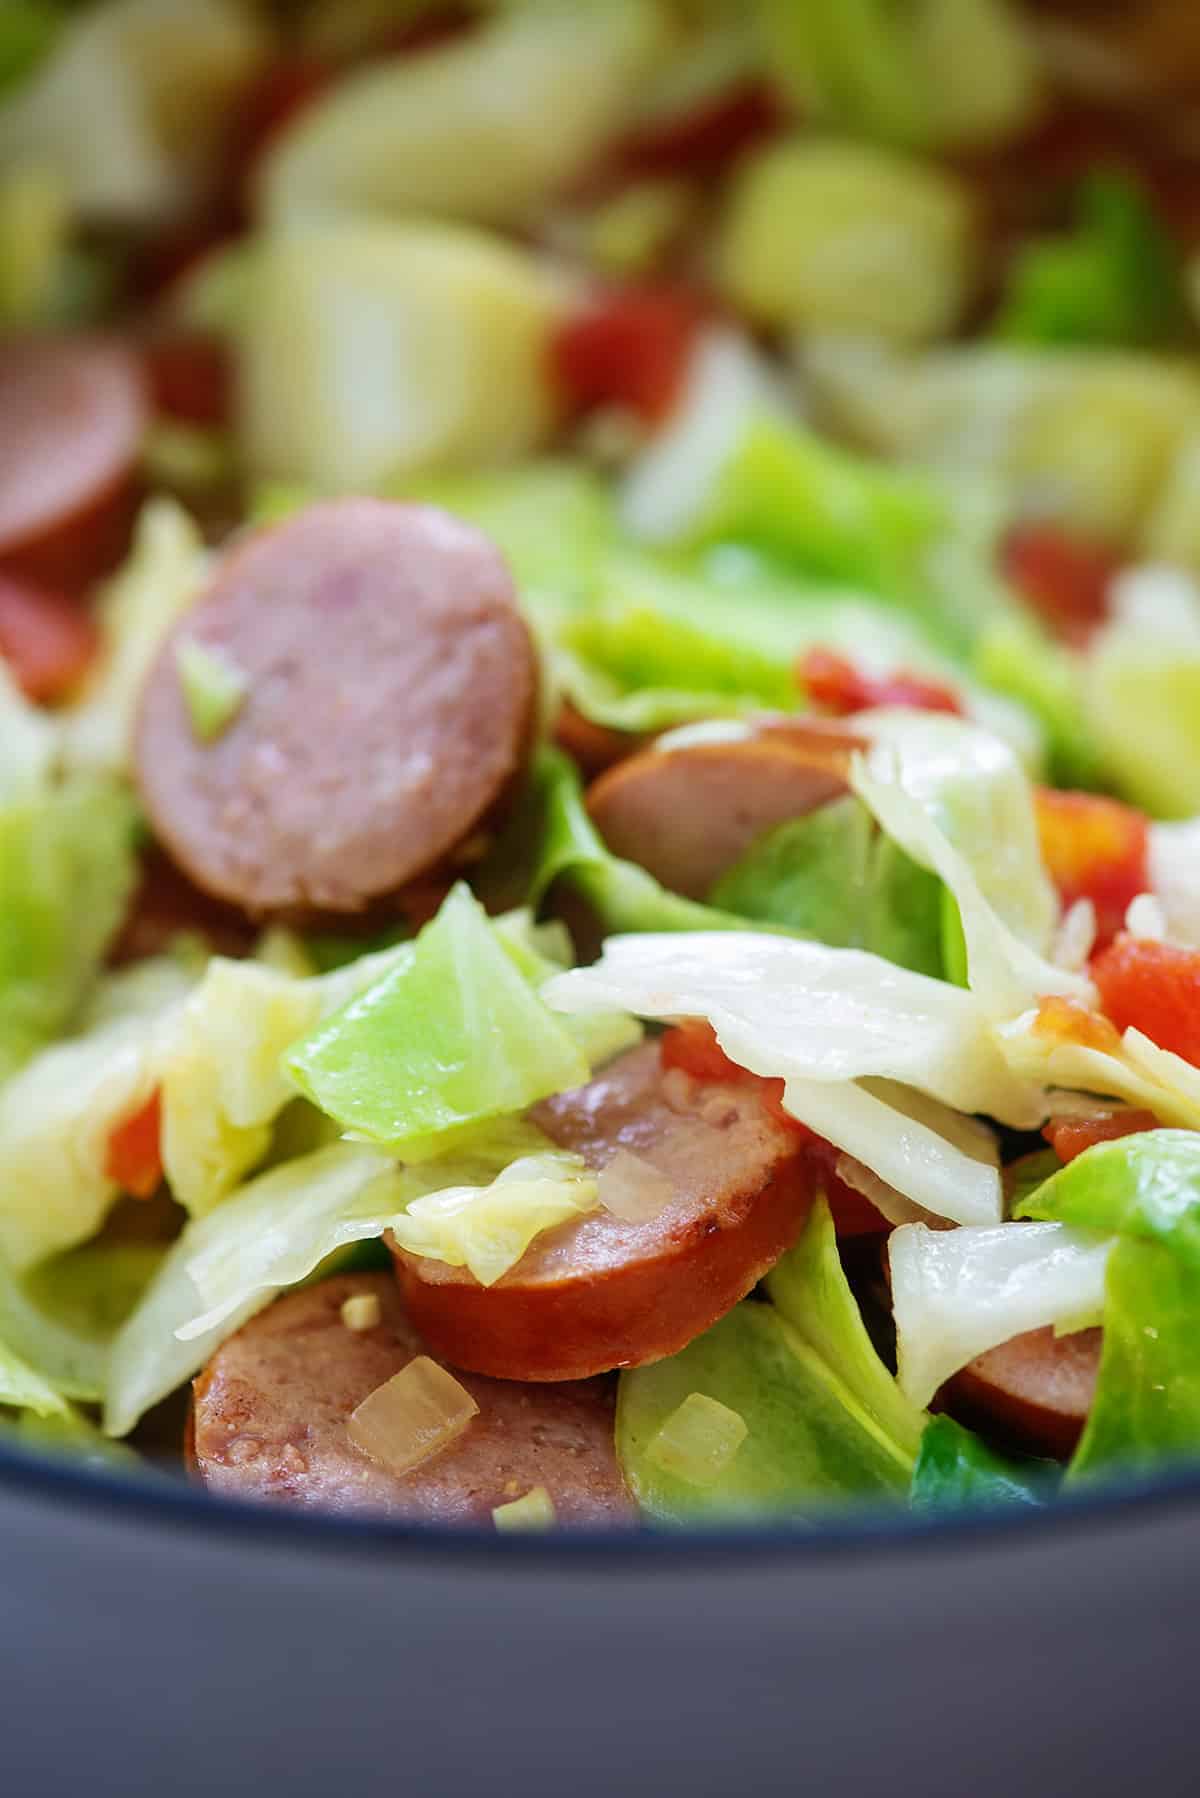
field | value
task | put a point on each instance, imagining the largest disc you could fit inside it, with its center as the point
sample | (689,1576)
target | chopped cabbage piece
(452,1035)
(214,690)
(810,1291)
(901,787)
(1039,1046)
(67,868)
(487,1229)
(461,131)
(958,1293)
(160,579)
(57,1114)
(803,1011)
(1146,1188)
(1114,280)
(938,73)
(957,1468)
(810,1441)
(836,878)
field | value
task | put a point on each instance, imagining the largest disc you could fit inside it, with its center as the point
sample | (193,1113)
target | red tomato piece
(1154,988)
(708,137)
(134,1158)
(833,683)
(48,641)
(1095,849)
(1064,578)
(1069,1136)
(191,378)
(628,348)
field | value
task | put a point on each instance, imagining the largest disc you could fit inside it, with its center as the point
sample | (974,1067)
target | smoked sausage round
(390,683)
(271,1408)
(601,1292)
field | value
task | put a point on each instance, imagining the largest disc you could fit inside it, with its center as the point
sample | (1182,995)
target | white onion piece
(413,1416)
(698,1440)
(958,1293)
(1075,937)
(535,1511)
(632,1189)
(1174,862)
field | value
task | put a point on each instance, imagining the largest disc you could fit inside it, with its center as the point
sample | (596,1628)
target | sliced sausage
(1037,1389)
(270,1412)
(74,416)
(599,1292)
(389,708)
(687,815)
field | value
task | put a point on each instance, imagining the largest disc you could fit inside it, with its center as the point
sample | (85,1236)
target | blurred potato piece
(481,128)
(827,235)
(130,109)
(373,349)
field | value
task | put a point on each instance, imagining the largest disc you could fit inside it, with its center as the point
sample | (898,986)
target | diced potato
(832,236)
(129,107)
(481,129)
(373,349)
(1095,453)
(1095,440)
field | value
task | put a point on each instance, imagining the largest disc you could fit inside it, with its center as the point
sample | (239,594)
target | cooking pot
(155,1640)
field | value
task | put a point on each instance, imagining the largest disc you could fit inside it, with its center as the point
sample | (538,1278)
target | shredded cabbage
(958,1293)
(487,1229)
(451,1035)
(803,1011)
(160,579)
(1143,684)
(1133,1068)
(904,782)
(57,1114)
(67,868)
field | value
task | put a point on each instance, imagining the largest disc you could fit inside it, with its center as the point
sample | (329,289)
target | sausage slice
(1038,1388)
(270,1412)
(687,815)
(389,707)
(74,415)
(599,1292)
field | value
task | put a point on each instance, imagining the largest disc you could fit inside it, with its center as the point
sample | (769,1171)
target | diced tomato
(833,683)
(1094,849)
(708,137)
(1064,578)
(694,1049)
(629,348)
(1154,988)
(1070,1136)
(191,378)
(48,640)
(134,1158)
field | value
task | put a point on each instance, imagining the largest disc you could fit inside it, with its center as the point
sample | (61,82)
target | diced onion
(416,1414)
(362,1311)
(699,1440)
(633,1189)
(533,1512)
